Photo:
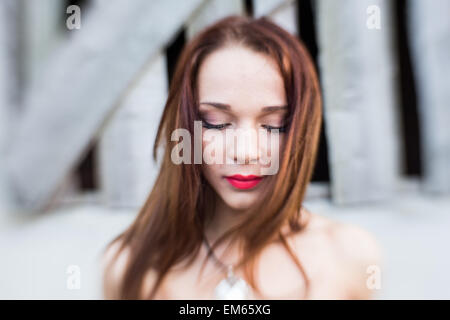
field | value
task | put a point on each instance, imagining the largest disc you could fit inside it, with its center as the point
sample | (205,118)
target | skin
(334,255)
(233,76)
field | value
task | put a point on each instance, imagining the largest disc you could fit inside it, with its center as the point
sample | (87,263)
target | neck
(224,218)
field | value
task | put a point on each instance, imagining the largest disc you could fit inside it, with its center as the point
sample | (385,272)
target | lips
(243,182)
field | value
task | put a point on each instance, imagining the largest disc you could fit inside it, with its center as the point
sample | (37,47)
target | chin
(240,202)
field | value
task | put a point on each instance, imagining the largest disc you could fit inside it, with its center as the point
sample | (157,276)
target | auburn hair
(169,226)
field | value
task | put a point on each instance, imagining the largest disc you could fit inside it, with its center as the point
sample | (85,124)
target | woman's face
(241,93)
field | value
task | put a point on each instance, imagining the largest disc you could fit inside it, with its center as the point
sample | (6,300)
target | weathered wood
(127,170)
(41,32)
(429,35)
(10,84)
(84,81)
(286,16)
(358,74)
(210,12)
(267,7)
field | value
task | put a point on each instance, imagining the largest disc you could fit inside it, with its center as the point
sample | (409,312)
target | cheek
(213,146)
(271,145)
(211,175)
(208,172)
(280,145)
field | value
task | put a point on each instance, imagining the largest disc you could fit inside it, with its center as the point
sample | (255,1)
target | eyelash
(270,128)
(223,125)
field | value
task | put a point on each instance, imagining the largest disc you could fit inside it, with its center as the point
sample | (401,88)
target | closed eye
(271,128)
(208,125)
(214,126)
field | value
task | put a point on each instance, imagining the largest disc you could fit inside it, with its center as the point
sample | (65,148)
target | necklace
(232,287)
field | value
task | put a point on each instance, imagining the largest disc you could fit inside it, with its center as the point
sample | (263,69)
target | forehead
(240,77)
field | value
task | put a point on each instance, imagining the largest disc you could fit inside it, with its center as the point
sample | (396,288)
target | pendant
(232,288)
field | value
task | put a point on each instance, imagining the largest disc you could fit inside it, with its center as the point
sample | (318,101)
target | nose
(242,145)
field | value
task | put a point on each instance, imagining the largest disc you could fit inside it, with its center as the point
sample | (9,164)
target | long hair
(169,227)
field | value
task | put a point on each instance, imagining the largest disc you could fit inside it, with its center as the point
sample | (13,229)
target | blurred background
(83,85)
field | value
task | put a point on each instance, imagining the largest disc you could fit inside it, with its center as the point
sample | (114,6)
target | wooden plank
(127,170)
(286,17)
(429,34)
(267,7)
(41,31)
(84,81)
(212,11)
(10,83)
(358,81)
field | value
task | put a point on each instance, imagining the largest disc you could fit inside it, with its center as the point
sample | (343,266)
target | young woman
(231,229)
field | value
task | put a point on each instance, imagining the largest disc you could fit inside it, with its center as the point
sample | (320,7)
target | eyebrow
(224,106)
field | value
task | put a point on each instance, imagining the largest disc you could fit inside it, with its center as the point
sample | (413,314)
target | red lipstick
(243,182)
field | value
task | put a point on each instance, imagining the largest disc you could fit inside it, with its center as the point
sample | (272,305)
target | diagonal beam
(66,109)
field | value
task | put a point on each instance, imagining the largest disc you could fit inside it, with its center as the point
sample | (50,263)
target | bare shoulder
(113,264)
(363,256)
(351,241)
(354,248)
(356,244)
